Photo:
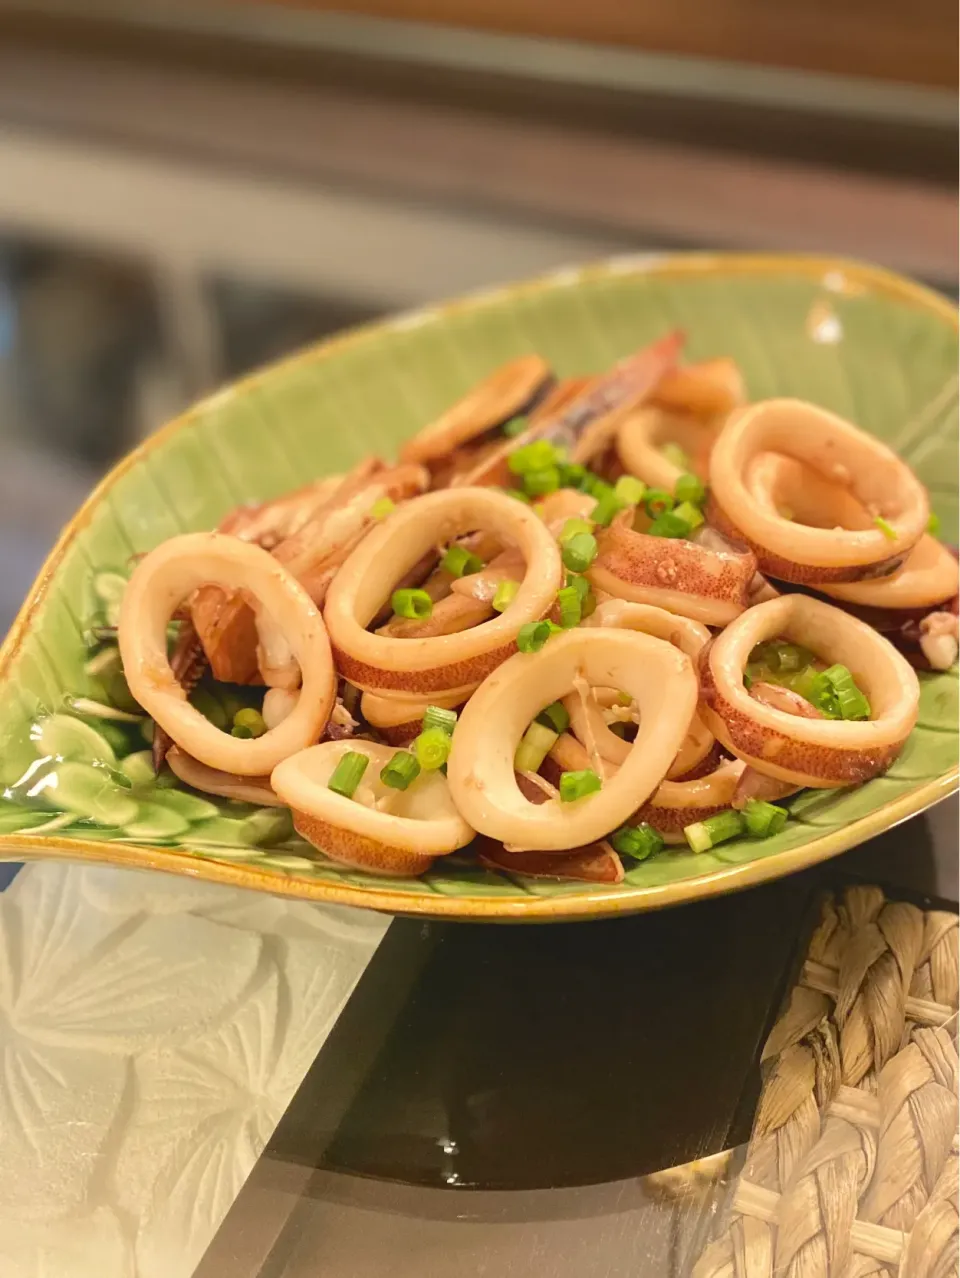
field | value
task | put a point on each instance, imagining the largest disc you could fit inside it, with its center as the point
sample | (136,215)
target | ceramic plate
(875,348)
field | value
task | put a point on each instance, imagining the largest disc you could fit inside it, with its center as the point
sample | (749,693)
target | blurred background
(190,189)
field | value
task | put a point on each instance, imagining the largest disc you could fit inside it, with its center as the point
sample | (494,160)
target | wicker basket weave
(852,1167)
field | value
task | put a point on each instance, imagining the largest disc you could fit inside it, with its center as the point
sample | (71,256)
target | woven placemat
(852,1167)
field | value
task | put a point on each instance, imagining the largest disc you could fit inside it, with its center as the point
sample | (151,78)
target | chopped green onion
(459,562)
(630,490)
(346,775)
(411,603)
(657,501)
(693,515)
(579,552)
(535,745)
(637,841)
(515,426)
(400,771)
(572,527)
(382,507)
(505,594)
(589,606)
(517,495)
(703,835)
(252,719)
(432,748)
(242,732)
(538,455)
(885,527)
(572,474)
(624,699)
(608,505)
(555,716)
(689,488)
(803,682)
(836,695)
(571,612)
(532,636)
(933,524)
(763,819)
(577,785)
(781,656)
(675,454)
(541,482)
(435,717)
(669,524)
(579,584)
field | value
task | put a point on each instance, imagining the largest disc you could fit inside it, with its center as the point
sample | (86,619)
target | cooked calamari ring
(706,584)
(226,784)
(689,636)
(642,436)
(508,391)
(710,388)
(928,577)
(480,768)
(400,719)
(160,583)
(876,477)
(389,831)
(443,662)
(809,752)
(674,804)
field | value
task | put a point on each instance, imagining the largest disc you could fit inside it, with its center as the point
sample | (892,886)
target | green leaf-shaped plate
(875,348)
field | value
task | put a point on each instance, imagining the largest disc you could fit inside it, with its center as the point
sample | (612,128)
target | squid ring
(439,663)
(399,719)
(393,832)
(167,576)
(212,781)
(642,435)
(809,752)
(928,577)
(874,475)
(703,583)
(689,636)
(480,768)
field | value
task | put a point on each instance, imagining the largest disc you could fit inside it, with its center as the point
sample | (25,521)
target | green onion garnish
(589,606)
(630,490)
(608,505)
(763,819)
(687,511)
(580,585)
(435,717)
(542,482)
(459,562)
(637,841)
(579,552)
(346,775)
(517,495)
(703,835)
(252,720)
(505,594)
(538,455)
(933,524)
(535,745)
(400,771)
(532,636)
(554,716)
(657,501)
(689,488)
(240,731)
(571,612)
(577,785)
(885,527)
(432,748)
(675,454)
(835,694)
(669,524)
(572,527)
(382,507)
(515,426)
(416,604)
(572,474)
